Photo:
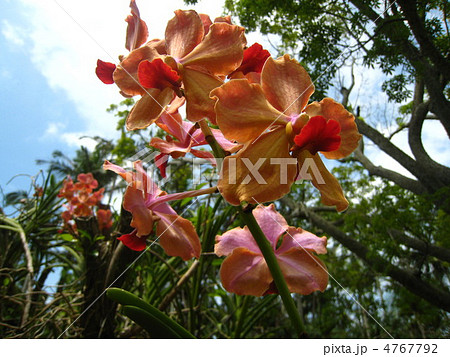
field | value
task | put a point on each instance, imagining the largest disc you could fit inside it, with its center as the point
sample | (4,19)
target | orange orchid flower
(193,66)
(81,199)
(244,270)
(148,204)
(280,133)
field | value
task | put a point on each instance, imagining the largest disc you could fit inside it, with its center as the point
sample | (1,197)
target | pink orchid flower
(244,270)
(148,204)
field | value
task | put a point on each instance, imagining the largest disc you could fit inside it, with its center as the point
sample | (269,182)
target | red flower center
(319,135)
(254,58)
(157,74)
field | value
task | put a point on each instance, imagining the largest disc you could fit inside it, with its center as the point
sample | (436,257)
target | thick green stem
(277,275)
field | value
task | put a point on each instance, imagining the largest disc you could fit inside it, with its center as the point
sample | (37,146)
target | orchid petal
(177,236)
(271,222)
(251,77)
(254,58)
(304,273)
(149,108)
(132,241)
(304,240)
(172,123)
(157,74)
(286,84)
(245,273)
(197,86)
(318,134)
(330,109)
(104,71)
(137,31)
(204,155)
(275,170)
(126,73)
(235,238)
(145,183)
(163,208)
(183,33)
(174,148)
(195,136)
(243,112)
(226,144)
(220,52)
(330,189)
(126,175)
(133,201)
(226,19)
(161,163)
(206,20)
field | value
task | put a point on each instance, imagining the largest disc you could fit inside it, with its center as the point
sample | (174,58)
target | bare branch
(388,147)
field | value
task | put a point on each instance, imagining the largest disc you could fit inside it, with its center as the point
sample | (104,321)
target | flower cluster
(81,200)
(260,119)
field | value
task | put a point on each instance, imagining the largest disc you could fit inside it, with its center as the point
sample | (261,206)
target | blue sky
(50,96)
(27,106)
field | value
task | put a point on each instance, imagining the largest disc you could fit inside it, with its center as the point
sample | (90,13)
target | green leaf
(149,322)
(67,237)
(128,299)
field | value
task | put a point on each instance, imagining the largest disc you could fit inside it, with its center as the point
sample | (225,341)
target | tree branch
(440,253)
(419,60)
(436,174)
(433,295)
(388,147)
(417,26)
(403,181)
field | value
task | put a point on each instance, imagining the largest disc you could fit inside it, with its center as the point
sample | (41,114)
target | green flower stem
(275,270)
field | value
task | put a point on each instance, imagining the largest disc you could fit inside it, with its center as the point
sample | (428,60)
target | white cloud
(53,129)
(79,139)
(12,34)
